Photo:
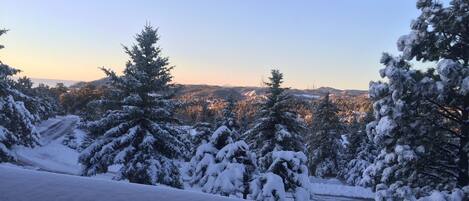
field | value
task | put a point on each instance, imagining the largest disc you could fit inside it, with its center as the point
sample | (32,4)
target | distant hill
(52,82)
(222,92)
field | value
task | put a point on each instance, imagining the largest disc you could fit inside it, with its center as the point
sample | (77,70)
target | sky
(334,43)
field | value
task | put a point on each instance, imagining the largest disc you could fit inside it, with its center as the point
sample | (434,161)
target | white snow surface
(334,187)
(27,185)
(52,155)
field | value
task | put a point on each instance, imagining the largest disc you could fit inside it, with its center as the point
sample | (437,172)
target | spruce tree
(201,134)
(16,122)
(277,127)
(324,142)
(277,139)
(229,116)
(360,151)
(140,134)
(223,166)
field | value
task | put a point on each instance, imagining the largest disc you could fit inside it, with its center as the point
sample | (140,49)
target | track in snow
(52,155)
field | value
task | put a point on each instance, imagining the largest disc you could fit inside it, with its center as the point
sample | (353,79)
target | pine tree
(292,169)
(360,151)
(229,115)
(140,134)
(223,166)
(16,122)
(324,143)
(406,133)
(277,127)
(277,139)
(202,133)
(421,128)
(441,34)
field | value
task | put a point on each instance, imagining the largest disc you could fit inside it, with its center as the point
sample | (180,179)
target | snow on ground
(52,155)
(26,185)
(334,187)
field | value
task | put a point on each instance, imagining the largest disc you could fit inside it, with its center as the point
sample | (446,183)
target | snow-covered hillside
(54,157)
(28,185)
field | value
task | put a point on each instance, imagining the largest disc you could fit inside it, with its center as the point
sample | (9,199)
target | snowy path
(52,155)
(27,185)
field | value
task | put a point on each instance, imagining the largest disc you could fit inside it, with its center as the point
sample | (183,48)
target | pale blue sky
(334,43)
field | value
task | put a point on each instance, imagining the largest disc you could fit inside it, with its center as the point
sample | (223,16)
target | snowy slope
(28,185)
(52,155)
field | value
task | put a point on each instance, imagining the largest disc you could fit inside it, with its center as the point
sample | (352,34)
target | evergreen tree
(441,34)
(229,115)
(421,128)
(292,169)
(406,133)
(360,151)
(140,134)
(277,127)
(277,138)
(324,143)
(16,122)
(223,166)
(202,133)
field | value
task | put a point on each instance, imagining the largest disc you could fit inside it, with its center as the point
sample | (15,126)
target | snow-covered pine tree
(360,151)
(268,187)
(140,135)
(223,166)
(278,133)
(407,133)
(237,167)
(16,122)
(441,34)
(229,116)
(292,168)
(355,134)
(201,135)
(277,128)
(324,141)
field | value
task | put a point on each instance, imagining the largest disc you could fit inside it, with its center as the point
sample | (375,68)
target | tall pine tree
(229,116)
(140,134)
(277,127)
(324,142)
(277,139)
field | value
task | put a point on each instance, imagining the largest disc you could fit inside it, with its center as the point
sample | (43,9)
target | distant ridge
(52,82)
(239,92)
